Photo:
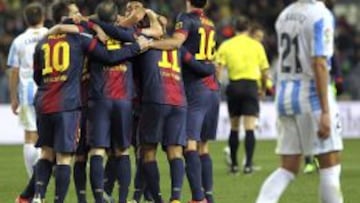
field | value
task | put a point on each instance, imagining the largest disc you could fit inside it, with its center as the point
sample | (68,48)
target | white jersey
(305,29)
(21,56)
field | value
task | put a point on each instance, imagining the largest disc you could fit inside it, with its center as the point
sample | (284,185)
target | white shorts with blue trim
(27,117)
(298,135)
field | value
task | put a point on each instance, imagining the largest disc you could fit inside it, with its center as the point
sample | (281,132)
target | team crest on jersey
(179,25)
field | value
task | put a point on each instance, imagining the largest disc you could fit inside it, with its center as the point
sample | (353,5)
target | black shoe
(248,170)
(234,170)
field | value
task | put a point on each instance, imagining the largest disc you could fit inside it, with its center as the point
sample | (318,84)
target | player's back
(59,61)
(160,78)
(200,42)
(111,81)
(304,30)
(21,56)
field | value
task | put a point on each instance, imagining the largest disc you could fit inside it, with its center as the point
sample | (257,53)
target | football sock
(97,177)
(152,177)
(177,172)
(42,176)
(249,146)
(147,193)
(274,186)
(207,176)
(80,180)
(123,171)
(308,160)
(234,146)
(62,182)
(31,155)
(29,190)
(193,172)
(110,175)
(138,181)
(330,190)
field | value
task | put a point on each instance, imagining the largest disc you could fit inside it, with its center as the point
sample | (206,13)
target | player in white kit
(22,86)
(307,112)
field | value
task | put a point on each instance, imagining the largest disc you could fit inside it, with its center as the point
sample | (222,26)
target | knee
(203,148)
(80,158)
(329,159)
(149,153)
(174,152)
(121,152)
(191,145)
(48,154)
(63,158)
(97,152)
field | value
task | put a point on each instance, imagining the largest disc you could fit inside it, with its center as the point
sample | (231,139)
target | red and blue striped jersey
(160,75)
(200,42)
(58,68)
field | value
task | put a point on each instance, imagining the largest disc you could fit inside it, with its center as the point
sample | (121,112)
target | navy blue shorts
(109,123)
(163,124)
(58,130)
(83,148)
(202,116)
(135,141)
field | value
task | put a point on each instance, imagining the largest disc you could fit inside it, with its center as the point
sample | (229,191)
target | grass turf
(227,188)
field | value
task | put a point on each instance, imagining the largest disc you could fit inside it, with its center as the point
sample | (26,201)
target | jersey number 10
(59,60)
(289,45)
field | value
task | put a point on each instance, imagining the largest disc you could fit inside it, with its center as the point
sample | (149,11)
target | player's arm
(13,63)
(220,61)
(156,29)
(116,32)
(264,68)
(136,16)
(99,51)
(37,67)
(182,28)
(79,28)
(201,69)
(322,48)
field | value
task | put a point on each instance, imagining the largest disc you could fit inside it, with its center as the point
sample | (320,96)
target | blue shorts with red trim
(58,130)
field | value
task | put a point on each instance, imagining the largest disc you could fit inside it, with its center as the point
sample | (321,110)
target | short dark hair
(144,23)
(140,1)
(198,3)
(241,24)
(59,10)
(34,14)
(255,26)
(107,11)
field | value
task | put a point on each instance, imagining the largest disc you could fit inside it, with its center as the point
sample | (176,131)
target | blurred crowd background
(222,12)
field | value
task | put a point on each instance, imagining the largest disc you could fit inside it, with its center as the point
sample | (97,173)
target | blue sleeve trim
(319,38)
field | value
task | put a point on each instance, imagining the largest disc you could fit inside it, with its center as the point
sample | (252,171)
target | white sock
(31,155)
(274,186)
(330,190)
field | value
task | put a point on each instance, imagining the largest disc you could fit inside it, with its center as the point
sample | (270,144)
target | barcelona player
(57,73)
(196,32)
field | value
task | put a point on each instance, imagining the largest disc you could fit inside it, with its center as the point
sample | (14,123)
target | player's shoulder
(19,39)
(183,16)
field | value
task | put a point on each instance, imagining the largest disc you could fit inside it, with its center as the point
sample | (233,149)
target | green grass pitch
(228,189)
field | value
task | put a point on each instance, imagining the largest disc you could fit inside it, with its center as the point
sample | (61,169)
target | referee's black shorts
(243,99)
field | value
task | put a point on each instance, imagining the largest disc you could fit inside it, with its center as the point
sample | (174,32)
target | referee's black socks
(249,146)
(234,145)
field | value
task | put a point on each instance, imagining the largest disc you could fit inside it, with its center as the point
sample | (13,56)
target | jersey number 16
(207,45)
